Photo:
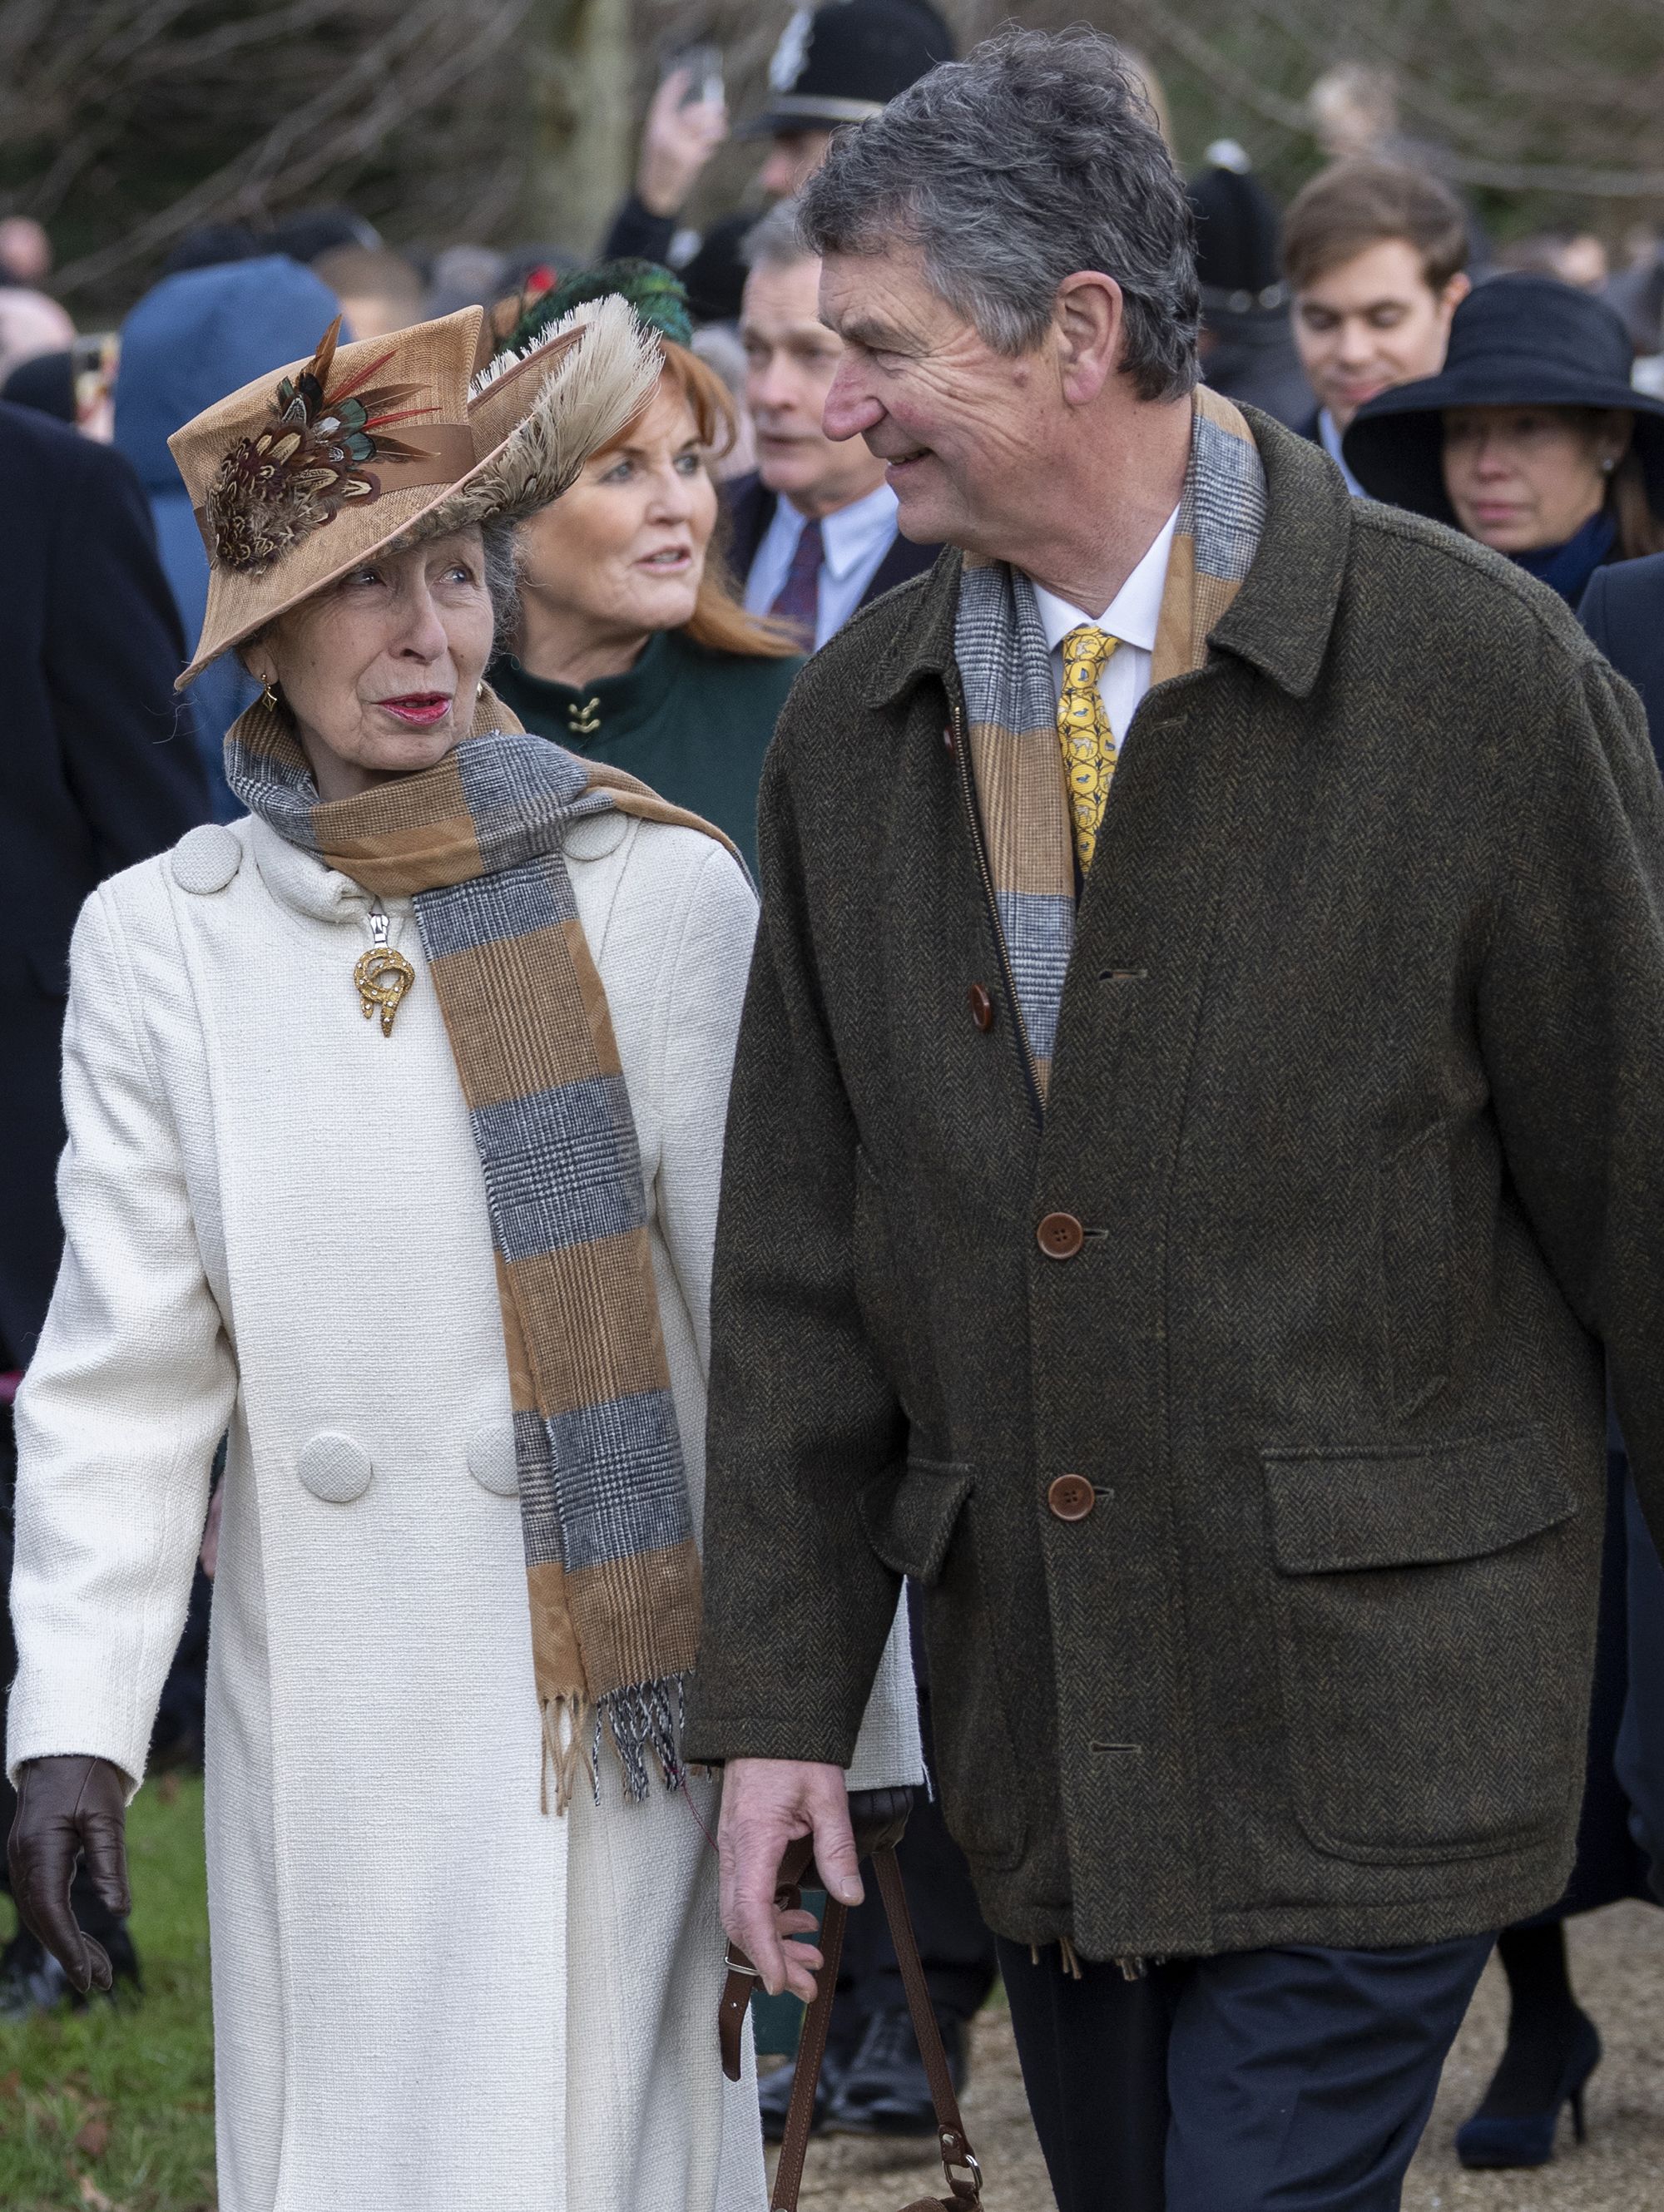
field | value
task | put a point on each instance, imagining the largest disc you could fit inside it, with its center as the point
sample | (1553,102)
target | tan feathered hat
(372,447)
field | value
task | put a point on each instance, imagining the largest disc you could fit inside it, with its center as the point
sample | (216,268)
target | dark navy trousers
(1276,2081)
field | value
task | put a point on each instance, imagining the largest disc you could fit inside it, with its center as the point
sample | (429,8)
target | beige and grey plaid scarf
(1005,666)
(611,1566)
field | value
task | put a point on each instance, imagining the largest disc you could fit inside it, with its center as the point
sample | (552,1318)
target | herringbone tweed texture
(1356,1095)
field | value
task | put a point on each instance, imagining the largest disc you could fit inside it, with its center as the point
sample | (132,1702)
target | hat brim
(539,417)
(1394,445)
(790,114)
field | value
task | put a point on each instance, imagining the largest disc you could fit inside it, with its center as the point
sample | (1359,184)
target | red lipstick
(421,709)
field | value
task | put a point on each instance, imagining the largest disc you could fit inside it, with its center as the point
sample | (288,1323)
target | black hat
(844,61)
(1239,260)
(316,231)
(1518,341)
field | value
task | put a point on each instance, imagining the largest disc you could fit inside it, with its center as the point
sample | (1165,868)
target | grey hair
(502,580)
(777,241)
(1037,155)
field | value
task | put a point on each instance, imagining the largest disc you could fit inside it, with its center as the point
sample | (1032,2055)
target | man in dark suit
(1623,611)
(812,533)
(97,769)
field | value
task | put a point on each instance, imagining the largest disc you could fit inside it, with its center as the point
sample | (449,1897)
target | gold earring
(269,693)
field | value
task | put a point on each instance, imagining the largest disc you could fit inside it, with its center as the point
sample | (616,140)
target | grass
(112,2109)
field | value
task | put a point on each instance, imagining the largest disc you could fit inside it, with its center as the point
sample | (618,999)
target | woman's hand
(68,1808)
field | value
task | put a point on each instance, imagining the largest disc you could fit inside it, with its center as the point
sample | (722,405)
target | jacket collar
(1280,620)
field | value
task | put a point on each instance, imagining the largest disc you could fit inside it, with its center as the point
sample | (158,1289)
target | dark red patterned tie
(799,601)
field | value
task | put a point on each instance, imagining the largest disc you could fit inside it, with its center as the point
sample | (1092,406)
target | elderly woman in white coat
(395,1118)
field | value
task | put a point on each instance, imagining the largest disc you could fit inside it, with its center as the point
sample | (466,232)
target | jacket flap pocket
(1389,1507)
(909,1519)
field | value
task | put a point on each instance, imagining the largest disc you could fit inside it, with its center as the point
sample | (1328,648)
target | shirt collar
(853,531)
(1133,615)
(1329,436)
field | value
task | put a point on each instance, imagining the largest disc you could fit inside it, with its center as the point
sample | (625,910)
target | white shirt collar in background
(1329,436)
(854,541)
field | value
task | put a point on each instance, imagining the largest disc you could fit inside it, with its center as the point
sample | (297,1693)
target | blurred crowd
(1372,314)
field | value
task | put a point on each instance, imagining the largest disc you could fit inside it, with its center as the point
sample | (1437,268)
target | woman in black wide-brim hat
(1531,439)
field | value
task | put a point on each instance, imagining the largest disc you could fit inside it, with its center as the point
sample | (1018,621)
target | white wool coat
(429,1996)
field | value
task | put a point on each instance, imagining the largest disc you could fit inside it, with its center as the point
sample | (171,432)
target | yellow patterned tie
(1083,732)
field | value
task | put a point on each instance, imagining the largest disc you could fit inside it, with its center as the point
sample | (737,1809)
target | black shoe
(32,1981)
(1515,2126)
(885,2091)
(774,2095)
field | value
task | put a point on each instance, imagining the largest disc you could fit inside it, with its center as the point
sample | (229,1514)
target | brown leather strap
(811,2050)
(954,2143)
(964,2175)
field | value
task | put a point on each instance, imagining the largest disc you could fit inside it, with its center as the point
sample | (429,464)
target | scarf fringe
(645,1720)
(565,1719)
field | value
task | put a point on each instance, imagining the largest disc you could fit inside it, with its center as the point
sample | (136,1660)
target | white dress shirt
(1328,436)
(855,537)
(1133,616)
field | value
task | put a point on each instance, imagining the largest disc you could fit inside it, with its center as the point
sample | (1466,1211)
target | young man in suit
(1375,254)
(813,531)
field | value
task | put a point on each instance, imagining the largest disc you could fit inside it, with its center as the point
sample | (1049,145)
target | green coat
(1357,1099)
(691,724)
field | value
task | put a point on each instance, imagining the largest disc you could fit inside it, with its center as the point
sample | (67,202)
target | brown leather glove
(67,1807)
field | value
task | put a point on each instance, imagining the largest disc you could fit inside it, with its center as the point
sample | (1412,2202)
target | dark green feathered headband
(658,297)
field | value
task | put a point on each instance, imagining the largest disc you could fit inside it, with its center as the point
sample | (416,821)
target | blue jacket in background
(195,338)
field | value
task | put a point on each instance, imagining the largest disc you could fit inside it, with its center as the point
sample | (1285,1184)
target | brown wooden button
(1060,1235)
(981,1006)
(1072,1497)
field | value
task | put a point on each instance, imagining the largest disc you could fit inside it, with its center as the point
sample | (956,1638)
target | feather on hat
(296,483)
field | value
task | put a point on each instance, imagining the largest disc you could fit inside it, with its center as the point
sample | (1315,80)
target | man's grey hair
(1037,155)
(776,240)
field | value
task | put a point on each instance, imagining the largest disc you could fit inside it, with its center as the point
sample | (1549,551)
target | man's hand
(68,1808)
(768,1804)
(677,144)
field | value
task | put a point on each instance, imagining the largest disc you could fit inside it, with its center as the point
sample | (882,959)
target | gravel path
(1618,1964)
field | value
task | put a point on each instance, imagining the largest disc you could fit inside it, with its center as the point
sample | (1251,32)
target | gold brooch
(383,975)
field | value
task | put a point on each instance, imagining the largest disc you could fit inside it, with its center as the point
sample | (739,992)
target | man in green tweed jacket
(1197,1128)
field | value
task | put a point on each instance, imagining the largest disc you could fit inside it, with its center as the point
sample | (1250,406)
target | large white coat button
(491,1458)
(334,1467)
(206,860)
(592,836)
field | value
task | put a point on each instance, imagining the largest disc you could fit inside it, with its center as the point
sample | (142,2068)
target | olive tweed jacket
(1356,1102)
